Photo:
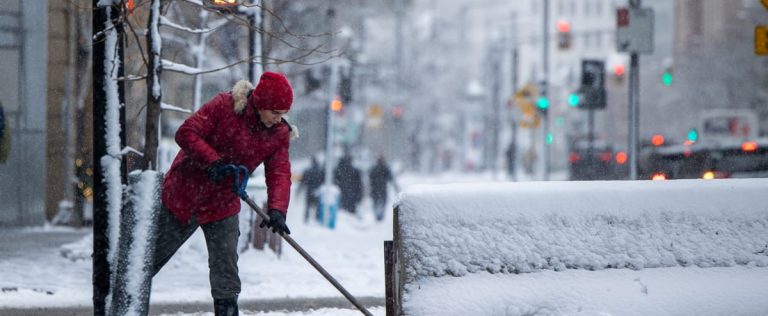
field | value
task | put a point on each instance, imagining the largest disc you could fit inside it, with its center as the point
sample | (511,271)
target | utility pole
(495,104)
(326,201)
(634,112)
(399,12)
(255,22)
(511,153)
(544,90)
(634,34)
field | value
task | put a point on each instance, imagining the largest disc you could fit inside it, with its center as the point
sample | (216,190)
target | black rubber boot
(225,307)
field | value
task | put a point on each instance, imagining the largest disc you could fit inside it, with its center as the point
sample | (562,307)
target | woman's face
(271,117)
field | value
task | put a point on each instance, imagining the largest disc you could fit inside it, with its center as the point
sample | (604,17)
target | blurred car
(595,161)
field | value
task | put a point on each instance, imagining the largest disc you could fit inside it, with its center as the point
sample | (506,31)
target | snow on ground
(352,253)
(318,312)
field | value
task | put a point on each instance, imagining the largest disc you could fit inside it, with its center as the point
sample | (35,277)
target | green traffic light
(573,100)
(549,139)
(693,135)
(543,103)
(667,78)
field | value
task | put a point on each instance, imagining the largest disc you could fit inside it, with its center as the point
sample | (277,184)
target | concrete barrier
(685,247)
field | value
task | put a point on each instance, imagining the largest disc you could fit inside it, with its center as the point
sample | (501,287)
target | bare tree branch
(167,22)
(180,68)
(138,42)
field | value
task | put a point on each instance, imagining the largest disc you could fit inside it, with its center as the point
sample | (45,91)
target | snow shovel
(241,180)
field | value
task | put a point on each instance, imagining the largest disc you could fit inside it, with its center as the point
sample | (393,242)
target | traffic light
(563,34)
(345,87)
(657,140)
(666,77)
(397,112)
(693,135)
(618,71)
(336,105)
(543,104)
(573,100)
(593,84)
(761,40)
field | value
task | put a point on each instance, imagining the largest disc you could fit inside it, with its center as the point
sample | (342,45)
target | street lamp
(221,4)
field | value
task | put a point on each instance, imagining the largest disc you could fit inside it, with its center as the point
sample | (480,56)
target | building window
(587,8)
(599,7)
(599,40)
(573,7)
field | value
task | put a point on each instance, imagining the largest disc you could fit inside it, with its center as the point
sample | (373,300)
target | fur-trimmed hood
(240,93)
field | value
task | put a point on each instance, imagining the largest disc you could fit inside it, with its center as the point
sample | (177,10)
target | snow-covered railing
(522,248)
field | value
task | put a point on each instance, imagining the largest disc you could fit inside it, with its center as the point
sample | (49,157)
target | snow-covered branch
(176,67)
(129,149)
(181,68)
(170,107)
(164,21)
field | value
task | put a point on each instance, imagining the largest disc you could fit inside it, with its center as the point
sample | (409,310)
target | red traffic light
(619,70)
(397,111)
(621,157)
(657,140)
(563,26)
(622,17)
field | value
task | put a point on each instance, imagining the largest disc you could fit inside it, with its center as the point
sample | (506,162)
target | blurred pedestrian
(5,136)
(311,180)
(350,182)
(244,126)
(379,176)
(511,158)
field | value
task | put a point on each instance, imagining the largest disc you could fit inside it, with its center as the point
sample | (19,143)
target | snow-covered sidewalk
(352,253)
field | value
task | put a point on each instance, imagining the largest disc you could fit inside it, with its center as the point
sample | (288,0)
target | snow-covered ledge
(685,247)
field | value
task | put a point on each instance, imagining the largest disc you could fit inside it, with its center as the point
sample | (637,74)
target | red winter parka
(228,128)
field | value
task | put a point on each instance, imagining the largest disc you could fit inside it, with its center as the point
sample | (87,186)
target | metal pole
(634,112)
(329,157)
(399,12)
(101,272)
(495,104)
(544,92)
(309,258)
(590,129)
(255,47)
(252,75)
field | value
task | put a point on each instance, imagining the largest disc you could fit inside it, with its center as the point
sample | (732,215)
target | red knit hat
(273,92)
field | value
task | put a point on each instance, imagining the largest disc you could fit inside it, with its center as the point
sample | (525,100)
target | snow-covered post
(154,90)
(134,265)
(109,137)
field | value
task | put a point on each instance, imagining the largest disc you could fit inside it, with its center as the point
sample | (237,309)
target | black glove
(216,171)
(276,222)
